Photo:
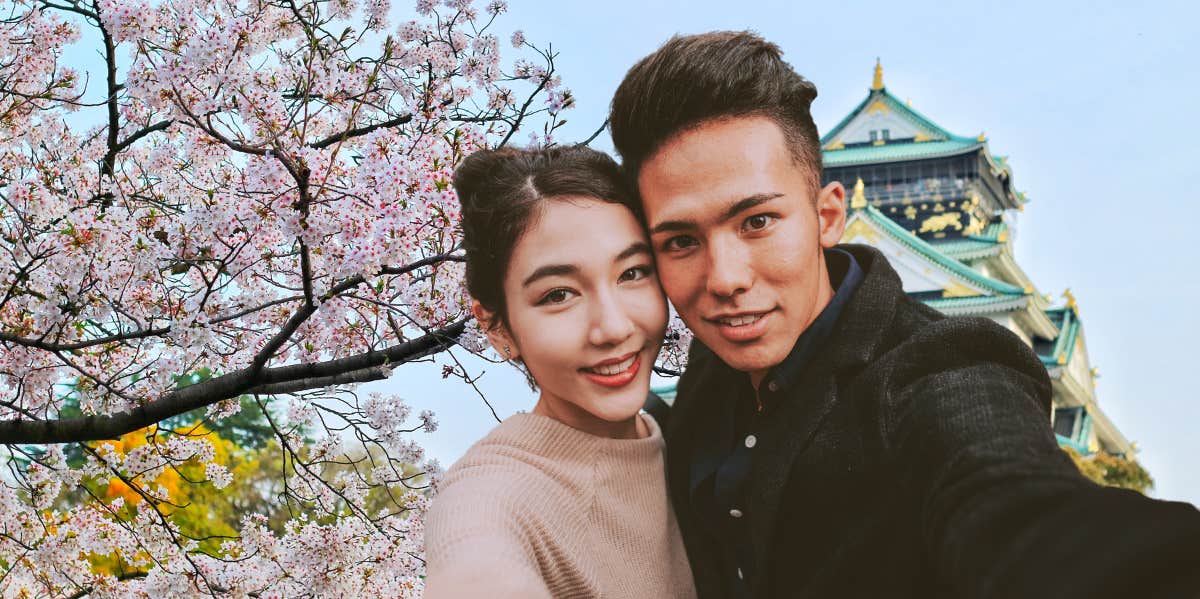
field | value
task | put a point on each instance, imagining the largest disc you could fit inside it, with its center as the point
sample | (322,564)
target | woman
(569,500)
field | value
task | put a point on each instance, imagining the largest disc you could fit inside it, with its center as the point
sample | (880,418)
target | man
(832,437)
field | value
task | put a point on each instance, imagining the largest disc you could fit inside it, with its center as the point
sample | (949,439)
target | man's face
(737,235)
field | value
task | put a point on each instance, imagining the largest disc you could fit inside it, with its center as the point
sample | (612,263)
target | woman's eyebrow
(550,270)
(635,248)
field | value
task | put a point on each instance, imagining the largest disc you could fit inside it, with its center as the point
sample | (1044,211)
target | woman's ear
(497,333)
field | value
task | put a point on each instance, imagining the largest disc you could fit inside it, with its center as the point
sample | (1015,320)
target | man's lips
(614,372)
(741,327)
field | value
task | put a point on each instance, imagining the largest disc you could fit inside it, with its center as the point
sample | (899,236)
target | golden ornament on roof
(1071,300)
(859,199)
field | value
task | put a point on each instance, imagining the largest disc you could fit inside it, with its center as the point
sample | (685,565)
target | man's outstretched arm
(1005,513)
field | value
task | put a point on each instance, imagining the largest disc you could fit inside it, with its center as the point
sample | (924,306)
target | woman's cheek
(650,311)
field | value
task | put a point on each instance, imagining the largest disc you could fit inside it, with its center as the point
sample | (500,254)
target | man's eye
(555,296)
(757,222)
(679,242)
(635,273)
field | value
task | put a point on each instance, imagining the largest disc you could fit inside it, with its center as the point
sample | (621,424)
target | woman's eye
(757,222)
(555,296)
(636,273)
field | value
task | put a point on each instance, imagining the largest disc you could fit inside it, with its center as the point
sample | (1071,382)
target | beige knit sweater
(539,509)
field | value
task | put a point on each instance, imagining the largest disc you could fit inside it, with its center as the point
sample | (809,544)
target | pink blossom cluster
(263,186)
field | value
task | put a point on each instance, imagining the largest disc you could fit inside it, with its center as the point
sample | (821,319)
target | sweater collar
(548,438)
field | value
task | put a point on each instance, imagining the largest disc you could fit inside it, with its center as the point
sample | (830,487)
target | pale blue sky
(1094,103)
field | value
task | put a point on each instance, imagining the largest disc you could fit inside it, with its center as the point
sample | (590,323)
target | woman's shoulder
(507,471)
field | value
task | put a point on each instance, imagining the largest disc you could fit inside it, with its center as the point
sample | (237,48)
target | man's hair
(694,79)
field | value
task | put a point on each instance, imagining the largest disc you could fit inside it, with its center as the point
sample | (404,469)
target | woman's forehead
(581,231)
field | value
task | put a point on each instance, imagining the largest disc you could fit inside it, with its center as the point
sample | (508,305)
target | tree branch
(593,136)
(205,393)
(61,347)
(359,131)
(366,375)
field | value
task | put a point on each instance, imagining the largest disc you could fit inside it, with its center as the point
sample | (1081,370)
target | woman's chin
(619,407)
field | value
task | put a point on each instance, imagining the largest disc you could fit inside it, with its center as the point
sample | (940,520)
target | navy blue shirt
(721,469)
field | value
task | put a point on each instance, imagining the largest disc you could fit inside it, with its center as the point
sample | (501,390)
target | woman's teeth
(611,369)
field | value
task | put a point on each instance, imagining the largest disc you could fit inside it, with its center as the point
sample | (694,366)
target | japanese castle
(937,205)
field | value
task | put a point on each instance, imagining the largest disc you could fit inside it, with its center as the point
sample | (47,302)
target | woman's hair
(501,192)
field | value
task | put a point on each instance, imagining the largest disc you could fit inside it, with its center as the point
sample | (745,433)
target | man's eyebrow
(550,270)
(739,206)
(748,203)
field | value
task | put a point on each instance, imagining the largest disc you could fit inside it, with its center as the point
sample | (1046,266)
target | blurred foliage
(246,444)
(196,506)
(1112,471)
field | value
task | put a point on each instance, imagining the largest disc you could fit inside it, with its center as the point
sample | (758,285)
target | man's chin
(746,358)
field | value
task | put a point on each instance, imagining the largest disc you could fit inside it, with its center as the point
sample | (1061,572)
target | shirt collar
(845,275)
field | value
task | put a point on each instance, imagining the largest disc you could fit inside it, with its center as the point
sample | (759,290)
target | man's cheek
(680,282)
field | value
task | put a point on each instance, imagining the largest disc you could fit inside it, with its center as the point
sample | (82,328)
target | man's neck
(825,294)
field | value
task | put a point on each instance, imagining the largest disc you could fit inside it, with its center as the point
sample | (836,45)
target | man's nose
(729,270)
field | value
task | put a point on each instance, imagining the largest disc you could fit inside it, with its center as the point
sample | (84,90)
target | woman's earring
(507,351)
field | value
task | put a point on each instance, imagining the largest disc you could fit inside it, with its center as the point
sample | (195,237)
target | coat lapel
(853,343)
(790,432)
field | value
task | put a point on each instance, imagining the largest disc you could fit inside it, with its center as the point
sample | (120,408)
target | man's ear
(497,333)
(831,213)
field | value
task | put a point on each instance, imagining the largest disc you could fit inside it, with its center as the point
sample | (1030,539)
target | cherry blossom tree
(243,205)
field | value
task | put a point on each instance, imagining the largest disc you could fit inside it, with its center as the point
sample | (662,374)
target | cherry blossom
(237,207)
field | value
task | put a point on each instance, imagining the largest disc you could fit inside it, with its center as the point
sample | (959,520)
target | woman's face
(585,313)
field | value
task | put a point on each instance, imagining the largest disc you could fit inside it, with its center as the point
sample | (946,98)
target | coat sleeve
(1004,512)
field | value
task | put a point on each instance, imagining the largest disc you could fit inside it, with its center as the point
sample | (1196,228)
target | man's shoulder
(935,344)
(949,367)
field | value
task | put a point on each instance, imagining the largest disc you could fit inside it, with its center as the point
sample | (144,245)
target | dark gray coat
(915,459)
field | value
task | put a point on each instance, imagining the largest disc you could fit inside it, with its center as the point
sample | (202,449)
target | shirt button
(772,386)
(751,440)
(740,577)
(736,513)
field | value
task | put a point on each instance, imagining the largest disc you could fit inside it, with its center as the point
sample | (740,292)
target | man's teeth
(738,321)
(611,369)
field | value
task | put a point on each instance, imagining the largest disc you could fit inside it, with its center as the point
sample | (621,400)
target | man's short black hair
(698,78)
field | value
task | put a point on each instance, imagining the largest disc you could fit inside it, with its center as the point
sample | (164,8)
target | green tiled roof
(895,151)
(1068,330)
(992,232)
(933,255)
(941,142)
(983,304)
(967,249)
(986,243)
(1000,163)
(901,108)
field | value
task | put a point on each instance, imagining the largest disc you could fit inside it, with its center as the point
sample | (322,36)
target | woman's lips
(617,379)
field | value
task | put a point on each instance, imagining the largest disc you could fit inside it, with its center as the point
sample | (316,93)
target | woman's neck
(579,419)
